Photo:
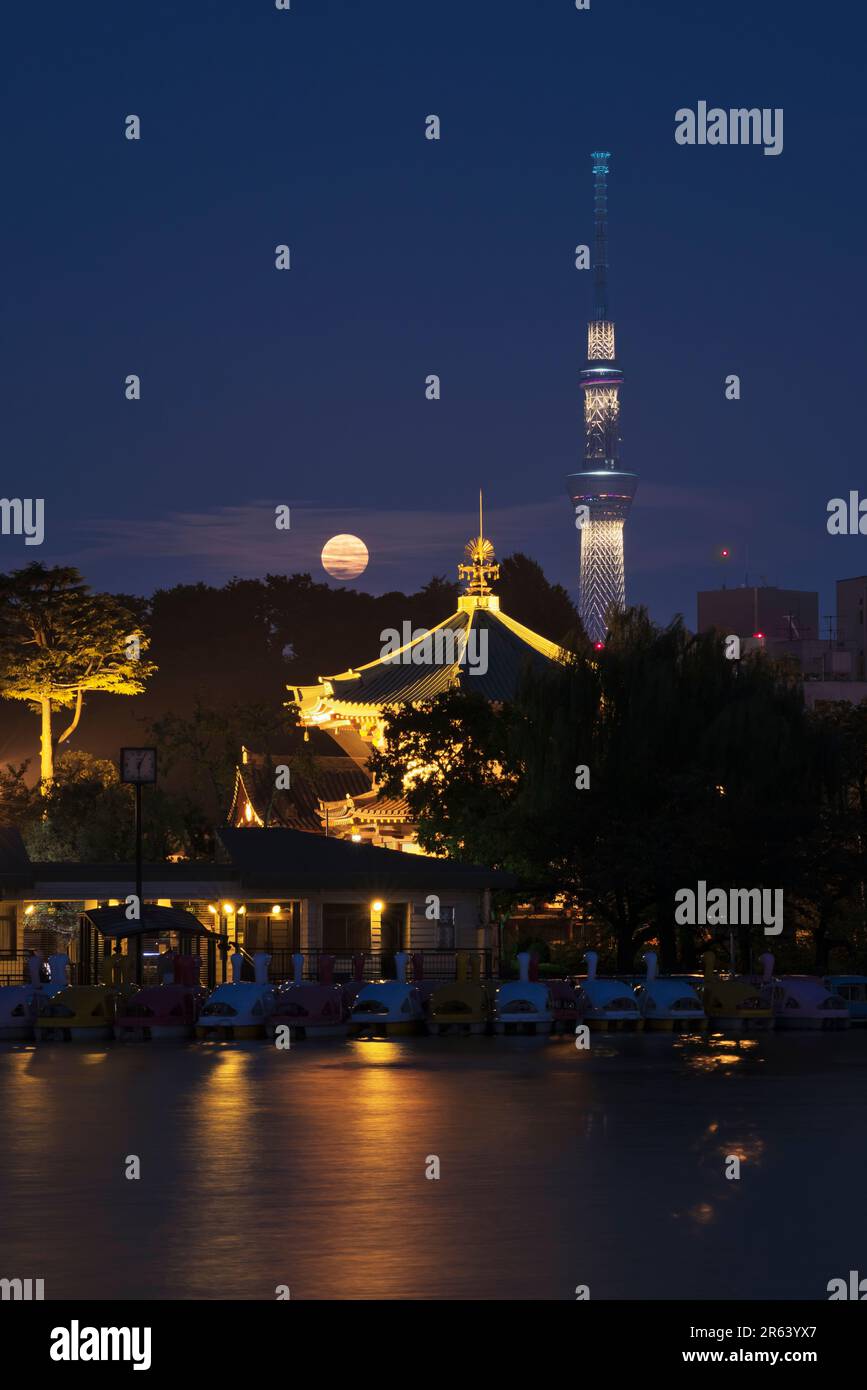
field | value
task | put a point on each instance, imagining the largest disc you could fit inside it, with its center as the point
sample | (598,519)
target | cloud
(243,540)
(673,530)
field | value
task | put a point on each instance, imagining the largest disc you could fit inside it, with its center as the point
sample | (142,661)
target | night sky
(409,257)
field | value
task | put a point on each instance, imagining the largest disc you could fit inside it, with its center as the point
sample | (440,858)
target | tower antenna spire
(601,160)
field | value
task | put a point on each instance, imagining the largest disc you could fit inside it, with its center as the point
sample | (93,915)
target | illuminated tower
(601,487)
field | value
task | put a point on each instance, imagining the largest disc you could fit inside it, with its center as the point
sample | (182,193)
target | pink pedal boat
(163,1012)
(564,1006)
(562,999)
(801,1001)
(311,1009)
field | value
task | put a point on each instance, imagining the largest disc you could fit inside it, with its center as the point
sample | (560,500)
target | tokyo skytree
(602,491)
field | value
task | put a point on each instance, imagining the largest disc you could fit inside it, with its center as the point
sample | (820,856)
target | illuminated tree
(59,642)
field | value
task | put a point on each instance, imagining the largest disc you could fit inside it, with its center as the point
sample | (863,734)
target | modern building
(851,602)
(778,615)
(601,492)
(785,623)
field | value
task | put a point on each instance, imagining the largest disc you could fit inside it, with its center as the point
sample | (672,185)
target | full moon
(344,557)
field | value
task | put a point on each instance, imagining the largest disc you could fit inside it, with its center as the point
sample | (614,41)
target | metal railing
(13,969)
(438,964)
(379,965)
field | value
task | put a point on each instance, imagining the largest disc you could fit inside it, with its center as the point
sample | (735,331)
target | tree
(85,814)
(528,597)
(203,750)
(59,641)
(699,768)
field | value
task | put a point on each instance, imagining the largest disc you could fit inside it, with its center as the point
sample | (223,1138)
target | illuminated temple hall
(479,647)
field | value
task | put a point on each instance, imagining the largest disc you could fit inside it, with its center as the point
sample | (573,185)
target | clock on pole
(139,766)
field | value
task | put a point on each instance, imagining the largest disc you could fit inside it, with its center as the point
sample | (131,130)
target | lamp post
(138,767)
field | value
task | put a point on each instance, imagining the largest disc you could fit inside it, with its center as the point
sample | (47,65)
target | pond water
(558,1168)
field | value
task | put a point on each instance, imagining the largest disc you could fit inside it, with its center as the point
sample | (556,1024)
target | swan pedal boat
(310,1010)
(77,1013)
(804,1001)
(669,1005)
(462,1006)
(801,1001)
(19,1008)
(607,1004)
(564,1006)
(159,1013)
(523,1006)
(853,990)
(236,1011)
(733,1003)
(385,1009)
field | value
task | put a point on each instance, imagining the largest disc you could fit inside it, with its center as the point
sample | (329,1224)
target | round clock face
(139,765)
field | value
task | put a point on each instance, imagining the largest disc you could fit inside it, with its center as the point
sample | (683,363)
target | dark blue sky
(410,257)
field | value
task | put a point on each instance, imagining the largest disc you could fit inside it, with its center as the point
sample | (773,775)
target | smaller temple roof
(371,806)
(296,807)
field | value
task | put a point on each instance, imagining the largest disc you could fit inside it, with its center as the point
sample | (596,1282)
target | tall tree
(59,642)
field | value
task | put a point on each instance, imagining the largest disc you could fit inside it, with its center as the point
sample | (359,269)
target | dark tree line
(698,768)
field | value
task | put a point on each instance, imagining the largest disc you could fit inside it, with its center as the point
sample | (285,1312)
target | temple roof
(371,807)
(296,807)
(480,649)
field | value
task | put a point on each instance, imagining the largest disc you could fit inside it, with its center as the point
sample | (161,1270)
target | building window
(266,930)
(8,935)
(446,929)
(346,926)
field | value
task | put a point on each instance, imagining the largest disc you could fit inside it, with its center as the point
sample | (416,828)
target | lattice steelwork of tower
(601,486)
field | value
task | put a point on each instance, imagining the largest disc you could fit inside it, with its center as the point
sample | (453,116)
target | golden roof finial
(481,568)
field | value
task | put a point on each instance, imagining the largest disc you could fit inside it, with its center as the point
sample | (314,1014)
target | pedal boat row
(179,1007)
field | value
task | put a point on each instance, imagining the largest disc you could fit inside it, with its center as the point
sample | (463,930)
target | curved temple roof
(479,648)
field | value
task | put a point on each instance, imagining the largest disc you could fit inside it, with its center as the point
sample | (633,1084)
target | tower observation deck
(601,491)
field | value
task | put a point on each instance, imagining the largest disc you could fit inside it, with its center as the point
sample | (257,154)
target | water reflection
(558,1167)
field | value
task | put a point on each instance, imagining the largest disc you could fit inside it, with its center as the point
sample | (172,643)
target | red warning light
(725,553)
(599,646)
(760,636)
